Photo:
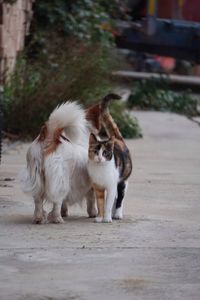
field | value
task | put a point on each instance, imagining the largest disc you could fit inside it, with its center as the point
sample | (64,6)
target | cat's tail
(105,101)
(110,126)
(95,112)
(107,120)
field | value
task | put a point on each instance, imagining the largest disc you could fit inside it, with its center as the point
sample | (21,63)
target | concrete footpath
(152,254)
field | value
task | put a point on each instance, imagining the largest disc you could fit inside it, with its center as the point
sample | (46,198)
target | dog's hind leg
(32,180)
(57,188)
(54,216)
(40,216)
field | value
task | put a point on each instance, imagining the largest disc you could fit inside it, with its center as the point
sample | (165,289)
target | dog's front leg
(54,216)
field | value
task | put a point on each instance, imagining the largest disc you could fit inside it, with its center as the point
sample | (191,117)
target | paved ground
(154,253)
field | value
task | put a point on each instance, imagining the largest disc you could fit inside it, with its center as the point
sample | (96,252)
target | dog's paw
(93,213)
(40,218)
(54,218)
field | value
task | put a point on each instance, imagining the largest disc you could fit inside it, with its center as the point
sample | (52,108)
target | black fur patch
(121,192)
(123,161)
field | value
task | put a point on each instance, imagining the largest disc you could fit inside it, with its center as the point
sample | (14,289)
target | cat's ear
(111,141)
(93,138)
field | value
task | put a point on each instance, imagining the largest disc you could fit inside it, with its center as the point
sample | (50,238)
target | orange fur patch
(93,115)
(100,198)
(54,142)
(43,133)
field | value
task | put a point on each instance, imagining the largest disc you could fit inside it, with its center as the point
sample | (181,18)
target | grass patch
(156,95)
(128,124)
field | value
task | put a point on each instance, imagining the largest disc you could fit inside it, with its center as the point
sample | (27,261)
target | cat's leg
(110,199)
(55,216)
(64,209)
(99,193)
(91,204)
(121,191)
(40,215)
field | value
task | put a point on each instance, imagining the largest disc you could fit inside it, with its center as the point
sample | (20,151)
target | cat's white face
(100,156)
(100,151)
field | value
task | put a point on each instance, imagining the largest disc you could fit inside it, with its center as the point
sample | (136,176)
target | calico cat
(109,166)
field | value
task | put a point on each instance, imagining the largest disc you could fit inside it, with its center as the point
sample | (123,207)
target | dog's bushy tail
(69,117)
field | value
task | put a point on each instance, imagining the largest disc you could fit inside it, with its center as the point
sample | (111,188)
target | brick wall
(14,26)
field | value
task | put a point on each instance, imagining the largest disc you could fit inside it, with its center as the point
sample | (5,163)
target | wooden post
(14,25)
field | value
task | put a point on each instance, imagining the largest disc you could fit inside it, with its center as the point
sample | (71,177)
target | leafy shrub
(128,125)
(69,55)
(155,95)
(35,89)
(86,20)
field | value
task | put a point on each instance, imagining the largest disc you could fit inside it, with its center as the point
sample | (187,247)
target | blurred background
(53,51)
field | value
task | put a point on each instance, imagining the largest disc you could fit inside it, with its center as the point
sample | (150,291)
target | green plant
(36,88)
(128,125)
(69,55)
(156,95)
(87,20)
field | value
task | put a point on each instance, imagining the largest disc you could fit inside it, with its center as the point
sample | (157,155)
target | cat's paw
(98,220)
(107,220)
(117,216)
